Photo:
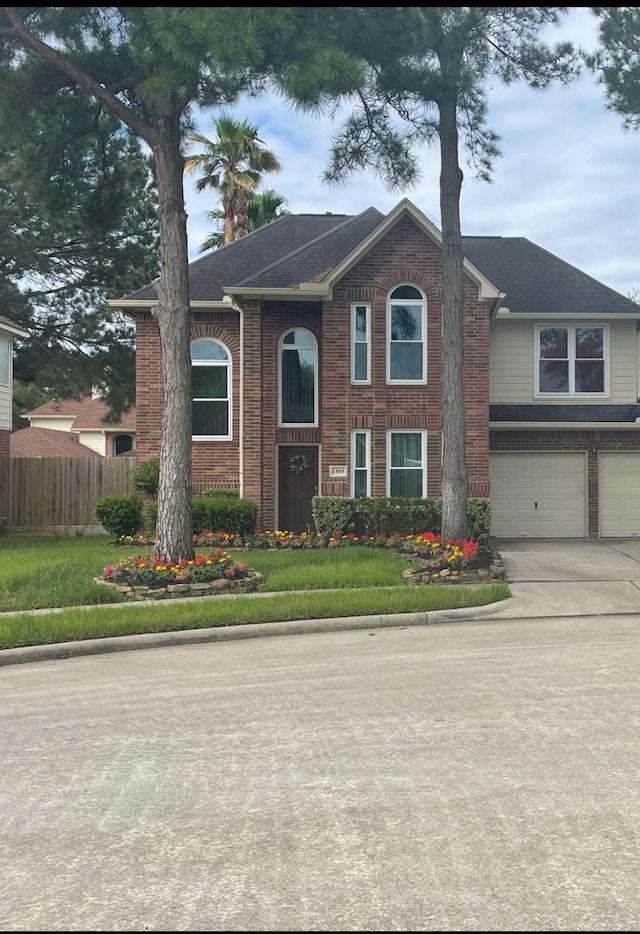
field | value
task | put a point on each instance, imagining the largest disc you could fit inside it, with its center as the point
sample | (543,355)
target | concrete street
(476,775)
(480,775)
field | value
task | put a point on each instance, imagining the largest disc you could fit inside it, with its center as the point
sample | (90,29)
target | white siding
(94,440)
(5,406)
(513,361)
(59,423)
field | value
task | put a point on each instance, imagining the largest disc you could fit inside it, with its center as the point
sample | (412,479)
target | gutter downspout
(233,304)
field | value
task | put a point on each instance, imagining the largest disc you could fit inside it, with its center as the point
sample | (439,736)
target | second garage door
(538,495)
(619,493)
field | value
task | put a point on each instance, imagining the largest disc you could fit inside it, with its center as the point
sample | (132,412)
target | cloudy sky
(568,178)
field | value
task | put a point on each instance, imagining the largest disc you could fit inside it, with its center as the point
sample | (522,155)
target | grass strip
(71,624)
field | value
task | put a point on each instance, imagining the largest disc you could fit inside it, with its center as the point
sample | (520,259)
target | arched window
(406,335)
(122,444)
(298,371)
(211,390)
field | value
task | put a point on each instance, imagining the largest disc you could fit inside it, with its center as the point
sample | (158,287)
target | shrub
(333,513)
(146,477)
(228,491)
(119,513)
(224,514)
(386,515)
(150,516)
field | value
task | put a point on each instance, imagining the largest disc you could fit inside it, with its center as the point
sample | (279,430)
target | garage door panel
(538,495)
(619,493)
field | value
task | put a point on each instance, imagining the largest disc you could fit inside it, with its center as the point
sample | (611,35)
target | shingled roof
(46,442)
(89,414)
(299,248)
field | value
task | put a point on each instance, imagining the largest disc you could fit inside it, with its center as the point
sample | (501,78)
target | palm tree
(233,162)
(262,208)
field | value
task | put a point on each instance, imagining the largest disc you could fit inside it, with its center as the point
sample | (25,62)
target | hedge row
(125,514)
(385,515)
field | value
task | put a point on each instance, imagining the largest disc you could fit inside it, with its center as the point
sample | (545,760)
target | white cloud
(568,178)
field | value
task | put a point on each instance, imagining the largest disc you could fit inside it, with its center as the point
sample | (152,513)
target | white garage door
(619,493)
(538,495)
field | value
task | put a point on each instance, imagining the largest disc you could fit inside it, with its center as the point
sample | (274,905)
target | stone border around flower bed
(425,575)
(248,584)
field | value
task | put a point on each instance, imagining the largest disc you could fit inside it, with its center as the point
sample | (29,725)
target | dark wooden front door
(298,482)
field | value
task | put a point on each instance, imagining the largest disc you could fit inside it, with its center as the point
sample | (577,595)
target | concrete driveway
(570,577)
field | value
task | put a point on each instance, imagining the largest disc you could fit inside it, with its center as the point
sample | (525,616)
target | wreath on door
(299,463)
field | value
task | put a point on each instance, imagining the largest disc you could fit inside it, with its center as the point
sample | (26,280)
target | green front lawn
(59,572)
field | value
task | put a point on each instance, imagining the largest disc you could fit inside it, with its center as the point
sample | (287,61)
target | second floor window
(211,390)
(571,360)
(360,343)
(406,335)
(298,396)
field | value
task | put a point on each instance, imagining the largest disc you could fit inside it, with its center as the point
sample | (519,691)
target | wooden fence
(56,495)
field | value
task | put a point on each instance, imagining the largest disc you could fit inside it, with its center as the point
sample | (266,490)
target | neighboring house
(42,442)
(316,367)
(8,331)
(74,428)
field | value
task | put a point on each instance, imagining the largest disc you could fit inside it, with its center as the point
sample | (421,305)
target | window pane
(406,291)
(360,362)
(360,323)
(298,378)
(361,450)
(360,483)
(406,323)
(589,375)
(209,382)
(4,359)
(553,343)
(554,376)
(208,350)
(405,361)
(589,343)
(406,483)
(210,418)
(406,449)
(299,338)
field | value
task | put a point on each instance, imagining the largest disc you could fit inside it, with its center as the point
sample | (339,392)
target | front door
(297,484)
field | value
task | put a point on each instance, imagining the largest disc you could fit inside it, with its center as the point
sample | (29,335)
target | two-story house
(316,362)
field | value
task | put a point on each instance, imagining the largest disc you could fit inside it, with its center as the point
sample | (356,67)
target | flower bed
(437,560)
(140,578)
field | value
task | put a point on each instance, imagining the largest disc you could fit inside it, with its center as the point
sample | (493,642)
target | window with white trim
(572,360)
(360,343)
(210,390)
(298,378)
(407,463)
(360,463)
(406,335)
(5,354)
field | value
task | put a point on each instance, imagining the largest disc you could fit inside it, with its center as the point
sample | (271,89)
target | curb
(152,640)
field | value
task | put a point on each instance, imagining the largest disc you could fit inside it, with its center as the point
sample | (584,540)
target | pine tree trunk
(454,461)
(174,531)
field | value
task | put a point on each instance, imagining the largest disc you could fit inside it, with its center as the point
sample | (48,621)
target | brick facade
(404,255)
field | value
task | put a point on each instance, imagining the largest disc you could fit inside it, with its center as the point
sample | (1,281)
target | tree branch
(82,79)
